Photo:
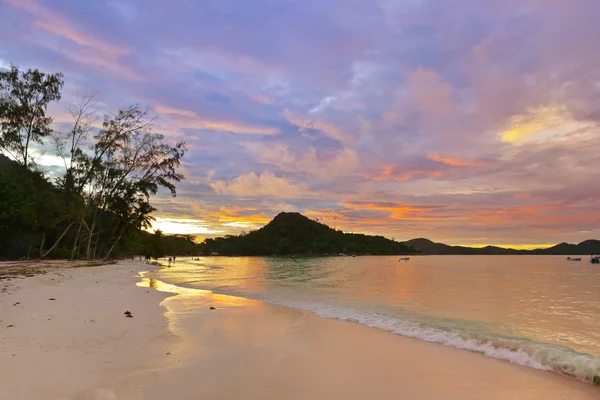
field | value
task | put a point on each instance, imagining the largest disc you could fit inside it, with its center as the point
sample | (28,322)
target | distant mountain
(586,247)
(295,234)
(426,246)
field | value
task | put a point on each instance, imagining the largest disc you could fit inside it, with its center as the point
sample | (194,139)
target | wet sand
(82,346)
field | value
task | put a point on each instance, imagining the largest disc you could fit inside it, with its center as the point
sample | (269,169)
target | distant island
(294,234)
(426,246)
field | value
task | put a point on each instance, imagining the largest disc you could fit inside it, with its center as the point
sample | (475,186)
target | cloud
(396,211)
(544,124)
(487,110)
(395,173)
(182,226)
(88,49)
(326,128)
(191,120)
(334,164)
(455,162)
(263,185)
(124,9)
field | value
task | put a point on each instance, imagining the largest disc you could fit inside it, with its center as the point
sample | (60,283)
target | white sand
(81,346)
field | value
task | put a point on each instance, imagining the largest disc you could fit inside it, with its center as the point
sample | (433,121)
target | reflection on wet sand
(248,349)
(187,302)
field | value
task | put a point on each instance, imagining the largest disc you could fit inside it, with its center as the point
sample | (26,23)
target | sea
(541,312)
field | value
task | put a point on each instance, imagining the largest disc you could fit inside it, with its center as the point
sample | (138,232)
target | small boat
(573,259)
(404,259)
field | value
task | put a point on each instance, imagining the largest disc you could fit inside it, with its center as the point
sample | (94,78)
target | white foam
(523,352)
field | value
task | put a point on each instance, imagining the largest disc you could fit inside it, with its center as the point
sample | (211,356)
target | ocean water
(541,312)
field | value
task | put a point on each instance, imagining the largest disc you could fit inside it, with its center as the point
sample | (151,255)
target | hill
(295,234)
(586,247)
(31,208)
(426,246)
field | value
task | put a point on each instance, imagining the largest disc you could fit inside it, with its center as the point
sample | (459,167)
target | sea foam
(541,356)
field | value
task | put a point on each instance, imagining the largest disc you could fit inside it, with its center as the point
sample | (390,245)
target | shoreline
(64,333)
(175,346)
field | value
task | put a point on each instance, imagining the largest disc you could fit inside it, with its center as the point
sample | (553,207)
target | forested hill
(32,210)
(295,234)
(426,246)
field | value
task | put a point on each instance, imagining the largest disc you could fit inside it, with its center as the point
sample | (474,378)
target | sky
(468,122)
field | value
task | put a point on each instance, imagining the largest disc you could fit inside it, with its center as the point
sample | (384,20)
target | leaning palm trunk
(112,247)
(76,243)
(51,249)
(43,242)
(89,244)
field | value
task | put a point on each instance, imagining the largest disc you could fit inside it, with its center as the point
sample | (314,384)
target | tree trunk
(75,244)
(111,248)
(89,244)
(27,147)
(57,240)
(43,242)
(96,247)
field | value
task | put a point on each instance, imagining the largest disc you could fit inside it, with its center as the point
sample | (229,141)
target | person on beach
(170,259)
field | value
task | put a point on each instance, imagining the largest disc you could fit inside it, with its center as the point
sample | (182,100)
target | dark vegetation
(99,204)
(426,246)
(295,234)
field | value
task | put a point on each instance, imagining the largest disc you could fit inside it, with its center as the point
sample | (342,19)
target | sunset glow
(464,122)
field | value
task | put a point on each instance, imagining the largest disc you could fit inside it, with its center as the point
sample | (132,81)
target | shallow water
(537,311)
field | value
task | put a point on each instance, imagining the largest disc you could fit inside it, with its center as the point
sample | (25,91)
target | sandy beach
(65,335)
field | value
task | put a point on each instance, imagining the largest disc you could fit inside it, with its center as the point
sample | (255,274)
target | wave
(541,356)
(521,351)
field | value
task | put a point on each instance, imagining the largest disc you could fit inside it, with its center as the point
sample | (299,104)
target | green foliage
(99,207)
(293,233)
(61,253)
(24,98)
(29,205)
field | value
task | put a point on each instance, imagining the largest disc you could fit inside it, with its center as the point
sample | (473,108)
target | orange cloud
(240,216)
(388,172)
(398,211)
(455,162)
(191,120)
(407,176)
(185,226)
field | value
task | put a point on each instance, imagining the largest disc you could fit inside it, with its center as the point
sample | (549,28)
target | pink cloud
(264,185)
(455,162)
(90,50)
(191,120)
(340,163)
